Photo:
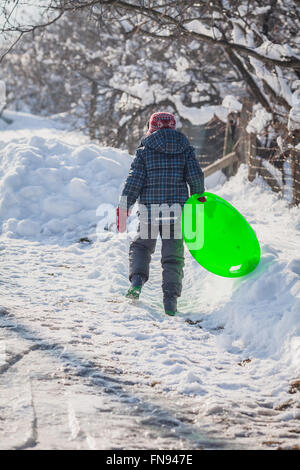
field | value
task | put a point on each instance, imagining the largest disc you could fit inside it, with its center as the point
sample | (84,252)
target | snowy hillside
(85,368)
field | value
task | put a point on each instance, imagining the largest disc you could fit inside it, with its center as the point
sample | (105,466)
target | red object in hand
(122,215)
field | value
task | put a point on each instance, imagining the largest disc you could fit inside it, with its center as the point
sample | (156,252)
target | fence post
(295,165)
(241,136)
(251,160)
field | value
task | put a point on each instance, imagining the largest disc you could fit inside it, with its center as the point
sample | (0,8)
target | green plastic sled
(218,236)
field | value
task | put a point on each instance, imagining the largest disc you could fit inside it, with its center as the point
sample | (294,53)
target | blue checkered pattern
(164,165)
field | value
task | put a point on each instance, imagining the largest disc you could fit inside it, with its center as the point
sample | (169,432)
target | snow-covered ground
(80,367)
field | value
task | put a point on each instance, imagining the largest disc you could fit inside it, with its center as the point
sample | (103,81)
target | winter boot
(134,290)
(170,304)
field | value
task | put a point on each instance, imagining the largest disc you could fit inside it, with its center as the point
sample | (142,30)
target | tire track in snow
(140,412)
(32,439)
(18,430)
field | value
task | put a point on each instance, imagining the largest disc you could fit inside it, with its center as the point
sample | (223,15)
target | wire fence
(279,168)
(207,139)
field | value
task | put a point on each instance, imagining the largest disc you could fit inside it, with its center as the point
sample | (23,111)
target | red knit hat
(161,121)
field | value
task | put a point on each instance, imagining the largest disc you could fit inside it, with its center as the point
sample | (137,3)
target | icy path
(82,369)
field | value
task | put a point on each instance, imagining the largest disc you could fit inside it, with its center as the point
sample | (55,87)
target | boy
(164,164)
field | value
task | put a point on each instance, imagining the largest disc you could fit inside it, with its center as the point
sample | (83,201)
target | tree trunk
(93,110)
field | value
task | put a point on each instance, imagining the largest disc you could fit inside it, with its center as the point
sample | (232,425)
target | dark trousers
(172,258)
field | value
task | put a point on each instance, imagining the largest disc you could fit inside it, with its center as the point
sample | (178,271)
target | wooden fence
(221,164)
(280,170)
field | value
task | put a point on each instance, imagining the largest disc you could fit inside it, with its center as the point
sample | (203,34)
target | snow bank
(52,188)
(261,311)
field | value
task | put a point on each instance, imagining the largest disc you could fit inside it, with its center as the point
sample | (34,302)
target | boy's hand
(122,215)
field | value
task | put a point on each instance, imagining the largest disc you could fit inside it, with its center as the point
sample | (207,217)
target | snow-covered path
(85,370)
(68,379)
(80,367)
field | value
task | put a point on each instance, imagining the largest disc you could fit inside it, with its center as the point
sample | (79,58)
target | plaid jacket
(164,165)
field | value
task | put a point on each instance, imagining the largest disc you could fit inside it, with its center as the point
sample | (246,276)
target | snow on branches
(127,58)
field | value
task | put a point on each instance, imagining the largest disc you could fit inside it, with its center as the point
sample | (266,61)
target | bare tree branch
(255,90)
(11,47)
(292,62)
